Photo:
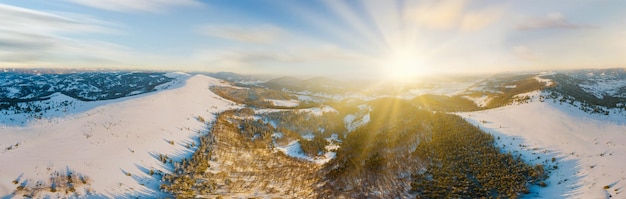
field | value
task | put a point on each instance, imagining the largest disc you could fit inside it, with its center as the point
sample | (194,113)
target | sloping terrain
(85,86)
(588,149)
(191,138)
(241,163)
(114,145)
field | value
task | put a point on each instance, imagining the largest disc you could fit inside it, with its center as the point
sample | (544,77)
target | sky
(372,38)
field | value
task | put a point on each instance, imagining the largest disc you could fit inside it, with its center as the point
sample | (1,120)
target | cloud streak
(453,14)
(30,37)
(245,34)
(153,6)
(550,21)
(27,20)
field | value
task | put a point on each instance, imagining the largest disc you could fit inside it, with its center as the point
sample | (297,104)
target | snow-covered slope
(115,144)
(589,150)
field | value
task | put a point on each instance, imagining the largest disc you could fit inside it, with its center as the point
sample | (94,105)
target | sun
(402,65)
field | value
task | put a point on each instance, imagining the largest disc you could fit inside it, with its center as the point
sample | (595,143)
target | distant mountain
(238,78)
(594,89)
(316,84)
(27,86)
(323,82)
(286,82)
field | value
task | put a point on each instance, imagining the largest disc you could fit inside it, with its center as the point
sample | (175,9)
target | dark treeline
(499,95)
(463,162)
(568,90)
(257,97)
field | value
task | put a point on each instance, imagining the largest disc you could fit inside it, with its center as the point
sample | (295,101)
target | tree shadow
(564,178)
(151,177)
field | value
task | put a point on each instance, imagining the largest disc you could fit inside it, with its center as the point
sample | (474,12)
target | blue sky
(370,38)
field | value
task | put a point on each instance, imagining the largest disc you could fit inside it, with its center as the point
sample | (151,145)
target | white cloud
(453,14)
(136,5)
(438,14)
(479,19)
(299,57)
(552,20)
(26,20)
(35,38)
(246,34)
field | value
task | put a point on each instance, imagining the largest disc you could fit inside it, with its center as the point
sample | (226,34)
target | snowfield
(589,150)
(115,143)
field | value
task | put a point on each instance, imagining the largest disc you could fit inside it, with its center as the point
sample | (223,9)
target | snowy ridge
(62,107)
(588,150)
(115,143)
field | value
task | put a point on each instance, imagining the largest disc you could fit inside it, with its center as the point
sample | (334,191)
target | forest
(403,151)
(440,155)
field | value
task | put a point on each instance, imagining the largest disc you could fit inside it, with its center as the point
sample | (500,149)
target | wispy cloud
(30,37)
(551,21)
(153,6)
(246,34)
(453,14)
(26,20)
(298,57)
(438,14)
(479,19)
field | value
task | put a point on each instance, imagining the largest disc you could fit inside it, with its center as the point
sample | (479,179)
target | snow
(63,108)
(479,101)
(510,86)
(589,149)
(12,92)
(284,103)
(293,149)
(308,136)
(610,87)
(105,140)
(352,121)
(305,98)
(548,82)
(319,111)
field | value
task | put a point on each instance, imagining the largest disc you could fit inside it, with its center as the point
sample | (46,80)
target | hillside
(538,134)
(588,150)
(114,144)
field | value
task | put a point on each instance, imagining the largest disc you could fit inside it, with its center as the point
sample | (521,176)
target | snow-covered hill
(589,150)
(115,143)
(86,86)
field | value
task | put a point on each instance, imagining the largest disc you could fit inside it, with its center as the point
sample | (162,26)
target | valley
(199,136)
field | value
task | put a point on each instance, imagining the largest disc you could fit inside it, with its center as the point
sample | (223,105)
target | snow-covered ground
(540,78)
(479,101)
(284,103)
(293,149)
(358,119)
(604,87)
(318,111)
(63,107)
(589,150)
(115,143)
